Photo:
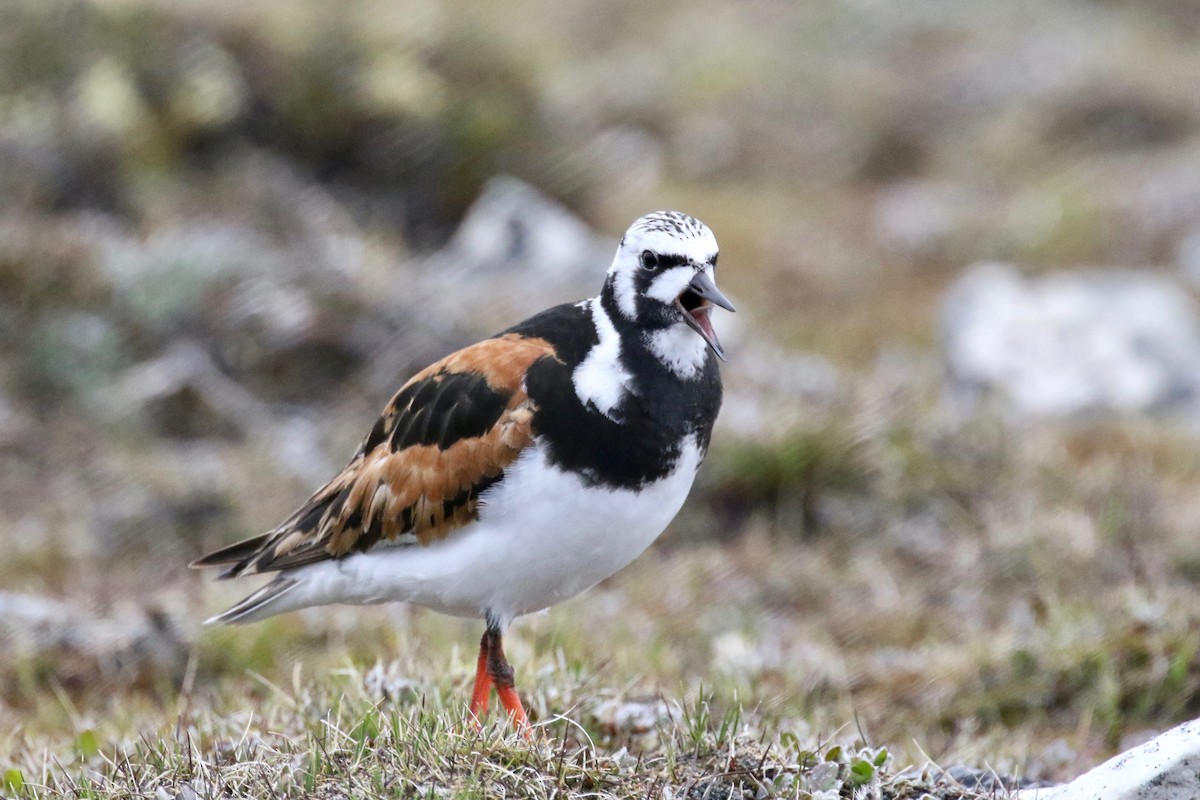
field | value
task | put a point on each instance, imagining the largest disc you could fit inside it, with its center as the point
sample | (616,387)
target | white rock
(1165,768)
(734,654)
(632,716)
(917,216)
(1071,343)
(388,682)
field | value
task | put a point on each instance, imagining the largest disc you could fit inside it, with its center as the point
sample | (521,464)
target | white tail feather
(259,605)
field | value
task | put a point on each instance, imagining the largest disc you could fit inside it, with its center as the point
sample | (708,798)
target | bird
(523,469)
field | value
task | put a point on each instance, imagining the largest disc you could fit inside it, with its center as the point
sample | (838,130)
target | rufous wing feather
(446,436)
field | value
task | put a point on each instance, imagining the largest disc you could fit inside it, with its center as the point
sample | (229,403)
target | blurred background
(953,493)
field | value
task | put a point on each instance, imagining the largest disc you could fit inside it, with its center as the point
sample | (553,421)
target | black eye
(649,260)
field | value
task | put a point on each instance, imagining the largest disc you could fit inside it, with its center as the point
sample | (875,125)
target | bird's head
(662,279)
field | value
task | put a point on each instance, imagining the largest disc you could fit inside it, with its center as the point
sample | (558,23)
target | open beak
(696,302)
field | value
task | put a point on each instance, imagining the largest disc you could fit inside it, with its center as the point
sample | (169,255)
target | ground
(214,220)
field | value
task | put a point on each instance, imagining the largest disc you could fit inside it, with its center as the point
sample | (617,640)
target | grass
(954,590)
(341,736)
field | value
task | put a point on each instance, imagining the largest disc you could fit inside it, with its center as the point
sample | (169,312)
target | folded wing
(444,438)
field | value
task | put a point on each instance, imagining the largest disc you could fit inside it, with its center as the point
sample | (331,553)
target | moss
(788,478)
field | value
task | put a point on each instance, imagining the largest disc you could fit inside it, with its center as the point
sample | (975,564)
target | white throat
(680,349)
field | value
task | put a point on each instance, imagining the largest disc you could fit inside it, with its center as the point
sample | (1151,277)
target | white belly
(542,536)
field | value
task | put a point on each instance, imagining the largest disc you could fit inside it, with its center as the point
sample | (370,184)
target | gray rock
(1188,257)
(184,395)
(1071,343)
(1165,768)
(985,781)
(515,253)
(769,390)
(922,217)
(155,525)
(121,649)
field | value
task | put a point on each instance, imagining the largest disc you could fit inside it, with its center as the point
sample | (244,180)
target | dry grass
(375,734)
(952,588)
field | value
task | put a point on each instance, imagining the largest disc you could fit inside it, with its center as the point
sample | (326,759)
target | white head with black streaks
(663,280)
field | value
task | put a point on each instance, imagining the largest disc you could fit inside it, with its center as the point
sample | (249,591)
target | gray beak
(702,286)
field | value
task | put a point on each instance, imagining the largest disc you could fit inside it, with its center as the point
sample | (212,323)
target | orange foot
(494,671)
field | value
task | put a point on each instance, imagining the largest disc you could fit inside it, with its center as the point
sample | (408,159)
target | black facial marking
(660,262)
(651,314)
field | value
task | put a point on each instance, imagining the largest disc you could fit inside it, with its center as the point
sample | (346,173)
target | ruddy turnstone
(521,470)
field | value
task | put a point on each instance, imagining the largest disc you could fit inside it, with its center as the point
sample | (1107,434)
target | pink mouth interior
(701,316)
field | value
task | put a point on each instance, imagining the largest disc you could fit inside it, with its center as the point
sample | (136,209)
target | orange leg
(512,704)
(494,670)
(502,674)
(483,683)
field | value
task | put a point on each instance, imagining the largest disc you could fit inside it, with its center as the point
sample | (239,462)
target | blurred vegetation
(787,478)
(130,101)
(214,220)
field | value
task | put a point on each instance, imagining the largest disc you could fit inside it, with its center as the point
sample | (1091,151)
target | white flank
(542,536)
(680,348)
(600,379)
